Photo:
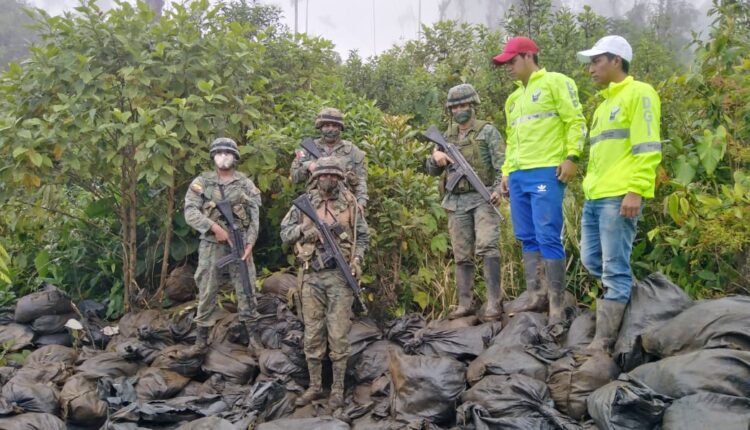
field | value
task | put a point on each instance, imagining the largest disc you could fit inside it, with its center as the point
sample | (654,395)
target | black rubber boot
(465,285)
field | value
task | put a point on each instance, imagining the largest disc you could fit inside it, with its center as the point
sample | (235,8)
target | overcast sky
(372,26)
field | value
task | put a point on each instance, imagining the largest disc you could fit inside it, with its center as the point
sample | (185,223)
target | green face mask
(462,116)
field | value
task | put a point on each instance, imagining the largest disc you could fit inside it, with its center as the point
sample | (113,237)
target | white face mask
(224,161)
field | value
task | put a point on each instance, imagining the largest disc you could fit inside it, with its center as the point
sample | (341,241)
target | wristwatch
(573,158)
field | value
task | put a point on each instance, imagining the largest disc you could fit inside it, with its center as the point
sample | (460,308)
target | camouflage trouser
(327,307)
(208,277)
(476,231)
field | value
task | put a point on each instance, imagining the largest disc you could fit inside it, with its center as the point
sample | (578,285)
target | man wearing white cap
(624,153)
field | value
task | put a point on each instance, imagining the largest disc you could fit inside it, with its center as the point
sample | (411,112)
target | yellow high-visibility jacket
(625,147)
(545,122)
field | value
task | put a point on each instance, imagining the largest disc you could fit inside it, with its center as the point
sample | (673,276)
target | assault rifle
(460,167)
(332,253)
(309,145)
(238,248)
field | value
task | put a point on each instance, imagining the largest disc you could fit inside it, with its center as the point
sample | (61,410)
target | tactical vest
(476,153)
(235,192)
(338,213)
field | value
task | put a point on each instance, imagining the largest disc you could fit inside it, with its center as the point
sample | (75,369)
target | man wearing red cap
(546,130)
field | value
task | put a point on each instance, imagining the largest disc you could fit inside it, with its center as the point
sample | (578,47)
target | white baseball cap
(616,45)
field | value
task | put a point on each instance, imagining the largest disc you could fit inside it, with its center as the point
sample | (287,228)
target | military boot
(608,318)
(201,343)
(315,389)
(254,343)
(337,388)
(537,295)
(555,271)
(494,308)
(465,285)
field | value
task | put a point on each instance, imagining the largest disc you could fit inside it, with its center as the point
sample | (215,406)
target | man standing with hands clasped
(624,154)
(201,213)
(546,130)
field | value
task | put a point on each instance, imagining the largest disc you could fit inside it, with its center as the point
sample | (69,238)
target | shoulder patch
(196,187)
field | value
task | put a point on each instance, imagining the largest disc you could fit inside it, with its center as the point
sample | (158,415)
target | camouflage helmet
(224,144)
(328,165)
(329,115)
(464,93)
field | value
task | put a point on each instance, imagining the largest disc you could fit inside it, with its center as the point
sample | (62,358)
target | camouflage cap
(328,165)
(329,115)
(464,93)
(224,144)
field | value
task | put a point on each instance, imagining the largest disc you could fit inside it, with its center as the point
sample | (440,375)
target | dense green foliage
(105,124)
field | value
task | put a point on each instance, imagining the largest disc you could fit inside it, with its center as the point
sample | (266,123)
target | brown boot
(337,388)
(532,269)
(494,309)
(200,346)
(465,285)
(555,270)
(315,389)
(608,319)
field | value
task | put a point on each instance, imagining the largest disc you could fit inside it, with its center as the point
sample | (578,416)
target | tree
(15,34)
(116,104)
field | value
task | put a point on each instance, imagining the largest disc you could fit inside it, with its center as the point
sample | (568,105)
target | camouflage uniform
(326,298)
(201,213)
(347,154)
(473,224)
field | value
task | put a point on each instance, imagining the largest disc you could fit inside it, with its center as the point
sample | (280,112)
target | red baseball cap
(515,46)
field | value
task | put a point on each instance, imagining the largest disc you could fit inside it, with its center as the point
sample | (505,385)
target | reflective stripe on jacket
(545,122)
(625,143)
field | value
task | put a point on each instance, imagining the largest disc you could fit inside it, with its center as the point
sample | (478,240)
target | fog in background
(372,26)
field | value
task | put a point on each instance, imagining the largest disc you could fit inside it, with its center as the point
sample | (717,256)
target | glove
(357,268)
(309,234)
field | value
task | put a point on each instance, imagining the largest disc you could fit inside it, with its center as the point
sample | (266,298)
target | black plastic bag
(627,404)
(109,364)
(511,402)
(372,362)
(708,411)
(51,324)
(52,354)
(32,421)
(581,331)
(50,301)
(425,387)
(507,360)
(653,301)
(319,423)
(32,397)
(180,286)
(722,371)
(363,332)
(208,423)
(574,377)
(18,336)
(279,284)
(721,323)
(80,402)
(526,328)
(231,361)
(464,343)
(402,329)
(157,384)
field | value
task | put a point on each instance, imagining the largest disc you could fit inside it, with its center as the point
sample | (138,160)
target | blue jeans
(606,245)
(536,210)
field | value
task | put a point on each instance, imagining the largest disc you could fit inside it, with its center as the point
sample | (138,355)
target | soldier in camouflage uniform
(330,122)
(326,298)
(202,214)
(473,224)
